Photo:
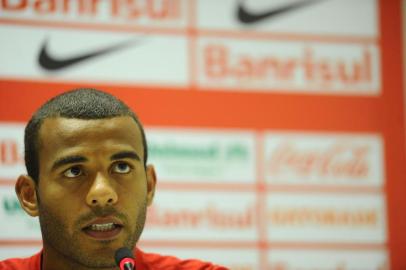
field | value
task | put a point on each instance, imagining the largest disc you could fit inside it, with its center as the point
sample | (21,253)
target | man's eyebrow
(125,154)
(68,160)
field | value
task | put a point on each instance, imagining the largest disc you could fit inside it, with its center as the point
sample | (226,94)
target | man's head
(88,181)
(80,104)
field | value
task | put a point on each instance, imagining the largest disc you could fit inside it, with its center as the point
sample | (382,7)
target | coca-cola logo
(337,160)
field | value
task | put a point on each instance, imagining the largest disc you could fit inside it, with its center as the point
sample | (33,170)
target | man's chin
(99,258)
(96,253)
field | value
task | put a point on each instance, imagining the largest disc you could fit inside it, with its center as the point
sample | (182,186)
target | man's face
(93,188)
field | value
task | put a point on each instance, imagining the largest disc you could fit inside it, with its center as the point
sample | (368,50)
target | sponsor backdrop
(276,127)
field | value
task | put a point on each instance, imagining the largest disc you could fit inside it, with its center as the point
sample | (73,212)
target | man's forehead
(74,129)
(67,124)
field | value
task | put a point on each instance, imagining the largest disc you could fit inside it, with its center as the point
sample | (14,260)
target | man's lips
(103,228)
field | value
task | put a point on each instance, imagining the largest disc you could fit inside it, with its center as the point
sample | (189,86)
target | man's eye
(121,167)
(73,172)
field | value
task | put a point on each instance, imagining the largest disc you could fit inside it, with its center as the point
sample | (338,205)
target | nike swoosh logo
(248,17)
(51,63)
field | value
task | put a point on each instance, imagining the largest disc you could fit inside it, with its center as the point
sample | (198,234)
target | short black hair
(83,103)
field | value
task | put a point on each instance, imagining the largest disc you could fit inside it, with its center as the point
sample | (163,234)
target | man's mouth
(103,230)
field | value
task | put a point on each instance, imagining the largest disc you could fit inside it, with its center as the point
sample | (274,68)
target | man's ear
(151,183)
(25,189)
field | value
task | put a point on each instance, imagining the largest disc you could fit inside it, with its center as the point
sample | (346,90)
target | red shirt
(144,261)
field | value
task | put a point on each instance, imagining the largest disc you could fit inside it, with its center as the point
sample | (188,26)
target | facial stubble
(57,236)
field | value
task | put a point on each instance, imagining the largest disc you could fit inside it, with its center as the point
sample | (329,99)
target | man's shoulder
(159,261)
(29,263)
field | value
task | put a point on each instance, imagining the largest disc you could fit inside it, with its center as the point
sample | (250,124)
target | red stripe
(184,31)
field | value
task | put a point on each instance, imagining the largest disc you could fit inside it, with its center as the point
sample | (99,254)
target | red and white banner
(276,127)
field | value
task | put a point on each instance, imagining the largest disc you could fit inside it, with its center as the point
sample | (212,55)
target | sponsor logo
(173,150)
(201,215)
(321,159)
(323,217)
(237,152)
(299,67)
(248,17)
(51,63)
(22,226)
(337,160)
(113,10)
(211,216)
(203,156)
(18,225)
(9,153)
(11,206)
(337,218)
(208,152)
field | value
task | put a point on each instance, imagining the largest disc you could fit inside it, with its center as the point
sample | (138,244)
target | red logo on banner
(210,216)
(222,63)
(337,160)
(9,154)
(129,9)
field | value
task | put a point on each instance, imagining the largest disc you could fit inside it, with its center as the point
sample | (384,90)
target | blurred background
(276,126)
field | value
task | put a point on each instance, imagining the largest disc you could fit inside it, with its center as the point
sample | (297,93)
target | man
(89,183)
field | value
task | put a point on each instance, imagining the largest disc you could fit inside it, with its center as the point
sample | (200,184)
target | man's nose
(101,192)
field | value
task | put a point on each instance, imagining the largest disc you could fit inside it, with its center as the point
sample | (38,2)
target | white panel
(110,13)
(202,216)
(199,155)
(289,66)
(339,159)
(18,225)
(328,218)
(7,252)
(333,17)
(233,258)
(142,60)
(325,259)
